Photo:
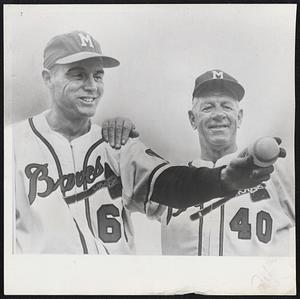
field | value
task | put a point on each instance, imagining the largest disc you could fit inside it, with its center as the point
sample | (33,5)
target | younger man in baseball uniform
(73,192)
(256,220)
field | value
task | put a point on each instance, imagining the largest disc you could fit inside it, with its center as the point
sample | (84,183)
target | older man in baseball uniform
(73,192)
(256,221)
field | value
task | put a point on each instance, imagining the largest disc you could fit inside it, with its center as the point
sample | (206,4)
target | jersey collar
(222,161)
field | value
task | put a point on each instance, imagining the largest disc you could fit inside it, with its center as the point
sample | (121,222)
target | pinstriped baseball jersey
(76,197)
(255,222)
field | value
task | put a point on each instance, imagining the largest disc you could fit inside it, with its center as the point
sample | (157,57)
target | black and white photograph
(149,149)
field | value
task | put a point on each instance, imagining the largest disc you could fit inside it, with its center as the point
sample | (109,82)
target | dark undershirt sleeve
(182,187)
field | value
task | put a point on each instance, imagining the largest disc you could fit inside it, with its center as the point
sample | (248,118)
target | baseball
(264,151)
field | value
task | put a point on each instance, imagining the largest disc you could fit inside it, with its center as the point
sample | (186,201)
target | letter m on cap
(85,40)
(217,75)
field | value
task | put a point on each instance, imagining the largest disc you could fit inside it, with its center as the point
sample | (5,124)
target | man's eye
(228,107)
(77,76)
(98,77)
(206,109)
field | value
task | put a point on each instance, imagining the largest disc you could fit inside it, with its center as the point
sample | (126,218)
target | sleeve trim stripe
(152,178)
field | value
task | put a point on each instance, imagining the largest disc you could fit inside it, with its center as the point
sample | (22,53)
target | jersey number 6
(109,228)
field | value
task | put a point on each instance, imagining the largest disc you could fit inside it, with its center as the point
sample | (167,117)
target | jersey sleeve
(10,178)
(139,166)
(21,209)
(25,222)
(284,184)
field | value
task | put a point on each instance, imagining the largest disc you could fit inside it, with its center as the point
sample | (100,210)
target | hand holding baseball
(253,165)
(241,173)
(264,151)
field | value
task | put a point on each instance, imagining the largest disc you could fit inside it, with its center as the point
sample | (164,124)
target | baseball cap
(218,78)
(74,46)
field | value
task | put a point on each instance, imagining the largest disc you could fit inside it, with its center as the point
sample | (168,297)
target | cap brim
(233,86)
(107,61)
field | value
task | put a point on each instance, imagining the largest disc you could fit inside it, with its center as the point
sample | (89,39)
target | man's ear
(192,119)
(240,117)
(47,77)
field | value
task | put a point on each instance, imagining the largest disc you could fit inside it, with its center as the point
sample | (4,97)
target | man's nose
(218,114)
(90,84)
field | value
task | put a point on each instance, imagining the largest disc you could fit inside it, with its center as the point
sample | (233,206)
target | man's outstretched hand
(281,154)
(116,131)
(242,173)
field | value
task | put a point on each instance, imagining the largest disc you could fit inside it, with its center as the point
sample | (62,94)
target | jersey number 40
(240,223)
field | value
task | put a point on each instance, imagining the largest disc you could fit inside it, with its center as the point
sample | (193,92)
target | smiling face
(216,116)
(76,88)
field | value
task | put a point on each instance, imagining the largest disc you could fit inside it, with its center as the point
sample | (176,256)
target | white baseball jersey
(255,222)
(76,197)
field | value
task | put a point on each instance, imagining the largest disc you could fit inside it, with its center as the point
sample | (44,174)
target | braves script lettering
(251,190)
(39,172)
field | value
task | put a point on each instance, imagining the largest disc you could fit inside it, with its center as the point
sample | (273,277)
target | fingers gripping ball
(264,151)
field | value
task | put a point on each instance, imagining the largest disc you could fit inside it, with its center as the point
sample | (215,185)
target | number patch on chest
(240,224)
(109,228)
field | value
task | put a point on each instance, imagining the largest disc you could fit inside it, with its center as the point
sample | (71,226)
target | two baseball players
(73,192)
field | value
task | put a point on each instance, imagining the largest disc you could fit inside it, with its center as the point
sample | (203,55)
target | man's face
(216,116)
(76,88)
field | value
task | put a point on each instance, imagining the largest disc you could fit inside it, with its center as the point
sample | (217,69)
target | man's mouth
(218,126)
(87,99)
